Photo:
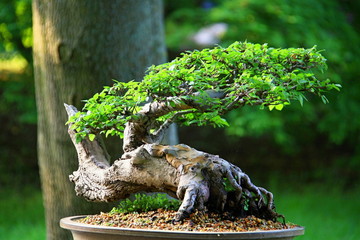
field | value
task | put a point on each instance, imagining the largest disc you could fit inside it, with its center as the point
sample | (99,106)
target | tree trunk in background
(79,46)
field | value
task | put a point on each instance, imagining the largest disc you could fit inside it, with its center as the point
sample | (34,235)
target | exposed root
(193,189)
(202,184)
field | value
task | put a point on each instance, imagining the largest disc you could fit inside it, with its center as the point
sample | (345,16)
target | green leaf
(109,132)
(279,107)
(301,100)
(91,137)
(324,99)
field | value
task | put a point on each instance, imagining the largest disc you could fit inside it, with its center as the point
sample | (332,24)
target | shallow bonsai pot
(81,231)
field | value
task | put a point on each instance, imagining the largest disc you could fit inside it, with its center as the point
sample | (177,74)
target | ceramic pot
(81,231)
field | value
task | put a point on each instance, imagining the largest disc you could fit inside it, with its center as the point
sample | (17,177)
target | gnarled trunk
(197,178)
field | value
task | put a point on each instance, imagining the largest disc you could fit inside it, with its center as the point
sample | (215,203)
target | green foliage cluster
(108,111)
(242,69)
(145,203)
(210,82)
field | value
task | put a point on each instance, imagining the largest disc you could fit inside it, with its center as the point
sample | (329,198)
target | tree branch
(158,135)
(96,180)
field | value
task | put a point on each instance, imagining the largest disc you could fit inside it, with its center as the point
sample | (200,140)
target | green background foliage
(15,29)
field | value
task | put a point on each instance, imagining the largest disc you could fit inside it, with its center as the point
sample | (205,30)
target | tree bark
(79,46)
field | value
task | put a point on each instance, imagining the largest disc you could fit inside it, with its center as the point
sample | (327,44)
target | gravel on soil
(198,221)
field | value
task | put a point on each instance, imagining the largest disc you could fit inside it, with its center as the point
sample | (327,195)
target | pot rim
(70,224)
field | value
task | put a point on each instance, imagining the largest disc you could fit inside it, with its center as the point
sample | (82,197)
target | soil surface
(202,222)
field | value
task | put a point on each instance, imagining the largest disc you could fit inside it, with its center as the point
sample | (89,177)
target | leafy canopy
(209,83)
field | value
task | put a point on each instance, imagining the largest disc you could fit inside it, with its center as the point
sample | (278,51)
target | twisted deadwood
(195,177)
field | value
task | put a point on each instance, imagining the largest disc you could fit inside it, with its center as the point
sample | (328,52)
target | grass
(21,214)
(326,215)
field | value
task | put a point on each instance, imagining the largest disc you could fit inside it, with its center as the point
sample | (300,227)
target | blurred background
(308,156)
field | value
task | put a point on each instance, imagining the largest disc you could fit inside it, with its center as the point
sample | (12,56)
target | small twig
(230,105)
(157,135)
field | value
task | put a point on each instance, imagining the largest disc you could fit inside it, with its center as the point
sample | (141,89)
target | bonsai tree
(198,88)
